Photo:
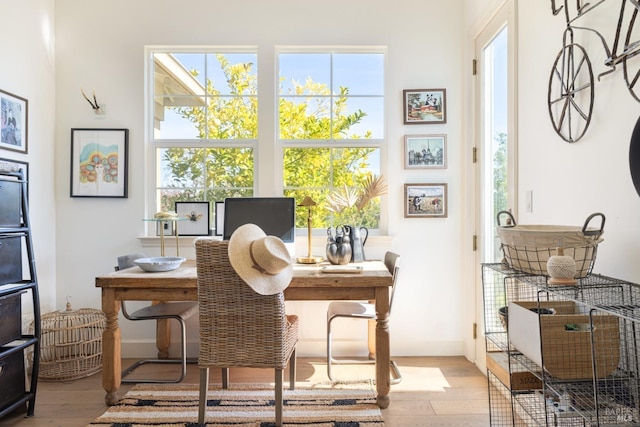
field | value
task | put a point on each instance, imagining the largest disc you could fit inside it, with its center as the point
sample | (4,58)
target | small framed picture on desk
(198,217)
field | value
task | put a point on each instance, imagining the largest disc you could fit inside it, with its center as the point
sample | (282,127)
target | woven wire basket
(527,248)
(71,344)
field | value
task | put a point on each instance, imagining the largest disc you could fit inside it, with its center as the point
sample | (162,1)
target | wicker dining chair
(179,311)
(239,327)
(362,310)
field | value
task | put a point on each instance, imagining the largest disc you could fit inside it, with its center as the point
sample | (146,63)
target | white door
(495,116)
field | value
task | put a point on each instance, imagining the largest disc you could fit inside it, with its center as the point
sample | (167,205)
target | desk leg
(371,337)
(383,356)
(163,336)
(111,350)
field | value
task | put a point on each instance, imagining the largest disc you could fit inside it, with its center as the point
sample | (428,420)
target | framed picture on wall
(99,162)
(425,151)
(425,201)
(197,214)
(16,165)
(425,106)
(14,117)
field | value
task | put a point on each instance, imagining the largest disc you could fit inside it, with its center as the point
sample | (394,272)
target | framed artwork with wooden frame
(14,126)
(99,162)
(425,201)
(197,214)
(425,106)
(425,151)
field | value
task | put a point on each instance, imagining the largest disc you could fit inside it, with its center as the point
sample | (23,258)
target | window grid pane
(331,126)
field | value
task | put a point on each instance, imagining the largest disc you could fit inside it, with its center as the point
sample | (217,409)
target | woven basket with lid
(71,343)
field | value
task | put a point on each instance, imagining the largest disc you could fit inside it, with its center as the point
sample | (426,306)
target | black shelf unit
(523,393)
(16,283)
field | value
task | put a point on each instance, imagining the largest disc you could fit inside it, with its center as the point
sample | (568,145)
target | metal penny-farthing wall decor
(571,91)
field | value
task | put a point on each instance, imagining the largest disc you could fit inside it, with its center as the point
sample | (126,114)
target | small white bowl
(161,263)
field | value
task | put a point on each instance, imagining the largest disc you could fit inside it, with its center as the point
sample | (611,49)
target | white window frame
(267,148)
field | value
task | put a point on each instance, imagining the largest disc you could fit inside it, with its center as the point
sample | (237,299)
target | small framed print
(219,218)
(198,219)
(425,106)
(99,162)
(14,116)
(425,201)
(425,151)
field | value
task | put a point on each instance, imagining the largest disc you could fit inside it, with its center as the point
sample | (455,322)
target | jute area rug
(245,405)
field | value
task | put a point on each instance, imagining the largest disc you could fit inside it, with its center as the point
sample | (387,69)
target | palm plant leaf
(343,198)
(374,186)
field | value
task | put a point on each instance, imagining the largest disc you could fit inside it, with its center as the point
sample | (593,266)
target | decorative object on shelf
(13,122)
(338,245)
(425,106)
(561,268)
(71,343)
(527,248)
(161,218)
(162,263)
(197,214)
(425,201)
(99,162)
(308,202)
(94,103)
(425,151)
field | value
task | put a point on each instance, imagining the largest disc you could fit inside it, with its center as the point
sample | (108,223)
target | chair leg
(279,399)
(202,401)
(225,378)
(395,376)
(329,356)
(292,370)
(182,361)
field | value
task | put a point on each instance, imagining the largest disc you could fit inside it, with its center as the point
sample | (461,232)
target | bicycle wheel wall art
(571,82)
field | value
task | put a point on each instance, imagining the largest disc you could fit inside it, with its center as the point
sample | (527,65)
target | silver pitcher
(338,245)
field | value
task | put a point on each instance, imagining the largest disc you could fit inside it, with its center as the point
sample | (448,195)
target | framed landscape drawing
(99,162)
(197,214)
(13,122)
(425,106)
(425,201)
(425,151)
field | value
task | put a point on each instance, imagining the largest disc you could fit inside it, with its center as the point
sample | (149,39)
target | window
(331,126)
(203,110)
(205,125)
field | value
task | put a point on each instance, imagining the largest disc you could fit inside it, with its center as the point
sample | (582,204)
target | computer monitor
(276,216)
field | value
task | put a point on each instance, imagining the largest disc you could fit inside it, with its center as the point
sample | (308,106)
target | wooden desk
(308,284)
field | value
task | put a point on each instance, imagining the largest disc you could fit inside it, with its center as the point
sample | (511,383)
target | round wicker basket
(527,248)
(71,344)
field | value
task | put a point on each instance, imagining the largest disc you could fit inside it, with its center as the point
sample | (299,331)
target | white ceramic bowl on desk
(162,263)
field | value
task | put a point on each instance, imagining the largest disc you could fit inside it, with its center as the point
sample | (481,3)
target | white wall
(571,181)
(27,70)
(99,45)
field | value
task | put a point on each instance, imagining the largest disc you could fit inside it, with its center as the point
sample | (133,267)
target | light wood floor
(435,391)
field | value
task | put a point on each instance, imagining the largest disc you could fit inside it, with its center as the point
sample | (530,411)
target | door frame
(504,14)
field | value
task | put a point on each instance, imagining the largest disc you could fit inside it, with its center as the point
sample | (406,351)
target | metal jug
(338,245)
(357,241)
